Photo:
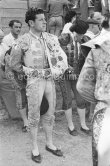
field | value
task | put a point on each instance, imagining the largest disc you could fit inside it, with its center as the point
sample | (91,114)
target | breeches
(35,91)
(66,87)
(55,22)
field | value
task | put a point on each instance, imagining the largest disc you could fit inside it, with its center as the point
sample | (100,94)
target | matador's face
(39,24)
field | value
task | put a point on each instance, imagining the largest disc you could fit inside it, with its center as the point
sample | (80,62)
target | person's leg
(109,5)
(21,104)
(34,93)
(65,87)
(81,113)
(48,118)
(105,6)
(84,9)
(97,6)
(68,114)
(80,106)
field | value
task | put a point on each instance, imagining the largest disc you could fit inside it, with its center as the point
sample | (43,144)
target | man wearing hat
(93,28)
(71,46)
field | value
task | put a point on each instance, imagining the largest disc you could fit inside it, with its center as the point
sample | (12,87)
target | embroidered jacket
(94,80)
(26,52)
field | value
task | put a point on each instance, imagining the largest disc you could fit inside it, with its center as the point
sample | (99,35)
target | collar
(13,36)
(90,34)
(35,36)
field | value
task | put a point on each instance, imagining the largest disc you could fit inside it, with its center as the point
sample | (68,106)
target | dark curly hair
(69,15)
(79,26)
(11,23)
(31,14)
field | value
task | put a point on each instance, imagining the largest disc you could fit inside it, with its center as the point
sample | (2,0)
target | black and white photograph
(55,82)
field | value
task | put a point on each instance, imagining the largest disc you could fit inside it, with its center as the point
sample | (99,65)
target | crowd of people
(73,53)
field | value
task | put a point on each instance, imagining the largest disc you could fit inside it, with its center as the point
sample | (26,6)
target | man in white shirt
(9,40)
(15,29)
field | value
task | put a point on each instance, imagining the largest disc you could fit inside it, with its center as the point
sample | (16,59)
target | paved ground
(15,148)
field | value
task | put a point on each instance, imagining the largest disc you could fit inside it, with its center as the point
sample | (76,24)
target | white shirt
(66,28)
(9,40)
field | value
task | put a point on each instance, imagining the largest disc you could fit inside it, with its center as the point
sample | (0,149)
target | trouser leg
(35,93)
(81,105)
(105,6)
(48,118)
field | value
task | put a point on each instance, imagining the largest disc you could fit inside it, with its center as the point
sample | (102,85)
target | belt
(39,73)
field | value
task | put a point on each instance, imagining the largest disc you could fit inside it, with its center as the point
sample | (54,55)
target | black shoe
(56,152)
(36,159)
(88,132)
(24,129)
(73,132)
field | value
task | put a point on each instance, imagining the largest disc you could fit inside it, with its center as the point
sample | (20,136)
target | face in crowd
(16,28)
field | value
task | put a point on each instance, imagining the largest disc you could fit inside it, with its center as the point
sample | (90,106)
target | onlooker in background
(93,28)
(97,16)
(70,17)
(55,8)
(15,29)
(10,40)
(71,46)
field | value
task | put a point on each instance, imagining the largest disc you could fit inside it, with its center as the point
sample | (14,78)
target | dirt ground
(15,147)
